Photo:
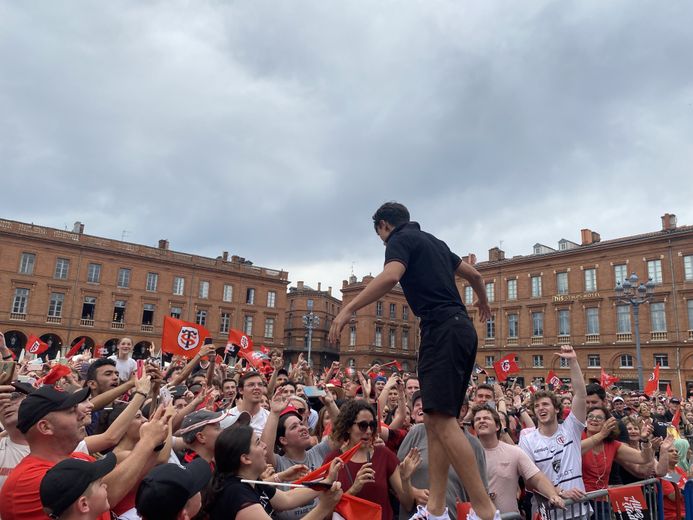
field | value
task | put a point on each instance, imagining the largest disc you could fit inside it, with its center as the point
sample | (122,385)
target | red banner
(34,345)
(628,501)
(553,380)
(236,337)
(605,380)
(76,347)
(351,507)
(182,338)
(505,366)
(652,384)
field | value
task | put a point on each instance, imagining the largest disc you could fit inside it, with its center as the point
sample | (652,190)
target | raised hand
(409,464)
(567,352)
(278,402)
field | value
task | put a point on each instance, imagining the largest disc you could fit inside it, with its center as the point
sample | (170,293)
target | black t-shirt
(429,279)
(236,496)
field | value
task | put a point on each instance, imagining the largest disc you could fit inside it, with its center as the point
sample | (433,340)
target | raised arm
(579,407)
(205,350)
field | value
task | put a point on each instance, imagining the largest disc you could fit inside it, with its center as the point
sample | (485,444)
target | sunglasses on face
(301,410)
(364,425)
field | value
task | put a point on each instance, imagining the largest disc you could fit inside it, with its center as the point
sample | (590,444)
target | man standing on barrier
(426,268)
(555,447)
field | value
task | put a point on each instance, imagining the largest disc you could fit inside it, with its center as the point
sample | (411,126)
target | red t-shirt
(597,466)
(19,497)
(670,505)
(384,464)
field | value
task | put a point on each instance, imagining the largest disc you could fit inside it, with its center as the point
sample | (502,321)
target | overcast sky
(273,130)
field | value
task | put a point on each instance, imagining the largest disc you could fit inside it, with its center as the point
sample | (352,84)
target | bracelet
(8,356)
(140,393)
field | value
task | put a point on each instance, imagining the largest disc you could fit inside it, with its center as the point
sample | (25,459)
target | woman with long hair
(374,471)
(240,455)
(637,429)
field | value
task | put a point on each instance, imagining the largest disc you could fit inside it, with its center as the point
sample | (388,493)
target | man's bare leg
(460,454)
(438,466)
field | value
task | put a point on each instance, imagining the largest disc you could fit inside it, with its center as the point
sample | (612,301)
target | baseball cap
(617,398)
(65,482)
(231,419)
(165,490)
(195,421)
(45,400)
(675,400)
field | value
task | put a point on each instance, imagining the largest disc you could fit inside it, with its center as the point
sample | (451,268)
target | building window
(224,322)
(250,296)
(513,326)
(690,314)
(88,308)
(654,270)
(55,305)
(688,268)
(536,286)
(564,363)
(592,316)
(537,361)
(152,282)
(62,267)
(405,312)
(309,304)
(562,283)
(248,325)
(393,311)
(269,328)
(123,278)
(178,286)
(623,319)
(658,317)
(626,361)
(405,339)
(590,280)
(379,309)
(468,295)
(564,322)
(26,263)
(271,299)
(204,290)
(593,360)
(491,291)
(352,336)
(537,324)
(491,328)
(119,311)
(661,359)
(176,312)
(620,273)
(94,273)
(512,289)
(148,314)
(488,361)
(201,317)
(378,336)
(21,298)
(392,336)
(227,295)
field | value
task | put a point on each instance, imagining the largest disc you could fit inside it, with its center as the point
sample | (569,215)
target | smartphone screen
(313,391)
(140,368)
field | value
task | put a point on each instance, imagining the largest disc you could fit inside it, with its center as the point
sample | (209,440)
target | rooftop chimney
(299,285)
(319,284)
(495,254)
(329,290)
(163,244)
(470,258)
(79,227)
(352,279)
(668,222)
(225,256)
(589,237)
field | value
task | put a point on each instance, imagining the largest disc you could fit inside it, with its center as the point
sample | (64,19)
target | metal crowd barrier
(601,508)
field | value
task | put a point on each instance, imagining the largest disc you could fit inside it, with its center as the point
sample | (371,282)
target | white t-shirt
(559,456)
(504,465)
(125,367)
(11,454)
(257,421)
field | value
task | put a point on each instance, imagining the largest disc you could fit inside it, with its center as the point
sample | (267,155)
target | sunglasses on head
(364,425)
(301,410)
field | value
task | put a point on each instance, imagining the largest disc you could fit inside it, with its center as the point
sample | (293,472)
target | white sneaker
(423,514)
(472,515)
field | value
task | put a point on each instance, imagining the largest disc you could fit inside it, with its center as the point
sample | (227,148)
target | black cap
(65,482)
(675,400)
(45,400)
(166,489)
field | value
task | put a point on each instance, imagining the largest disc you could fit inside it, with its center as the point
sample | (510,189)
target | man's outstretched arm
(466,271)
(376,289)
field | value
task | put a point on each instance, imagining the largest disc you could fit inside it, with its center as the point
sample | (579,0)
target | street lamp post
(635,295)
(310,321)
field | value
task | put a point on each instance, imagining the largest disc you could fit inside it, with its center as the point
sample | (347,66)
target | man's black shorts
(446,361)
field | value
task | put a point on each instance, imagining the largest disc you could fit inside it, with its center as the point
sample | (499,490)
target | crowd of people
(194,438)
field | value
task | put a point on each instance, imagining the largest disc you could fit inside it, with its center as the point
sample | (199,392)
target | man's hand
(484,310)
(420,496)
(278,402)
(572,494)
(337,325)
(567,352)
(409,464)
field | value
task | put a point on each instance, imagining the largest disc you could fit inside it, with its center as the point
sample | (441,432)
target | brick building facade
(303,300)
(384,331)
(63,286)
(566,296)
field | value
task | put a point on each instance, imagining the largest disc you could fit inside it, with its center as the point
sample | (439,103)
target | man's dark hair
(101,362)
(391,212)
(485,386)
(245,377)
(595,389)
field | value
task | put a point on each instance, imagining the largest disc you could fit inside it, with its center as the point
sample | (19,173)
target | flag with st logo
(652,384)
(34,345)
(553,380)
(505,366)
(182,338)
(236,337)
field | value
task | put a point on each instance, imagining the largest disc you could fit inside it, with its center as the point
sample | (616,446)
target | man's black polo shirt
(429,279)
